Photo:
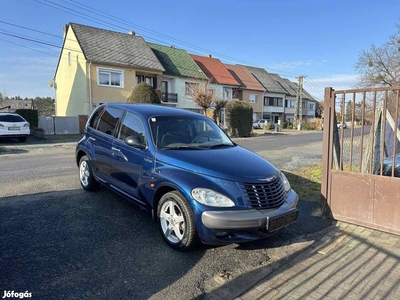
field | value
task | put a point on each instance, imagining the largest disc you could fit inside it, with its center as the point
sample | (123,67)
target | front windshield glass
(187,132)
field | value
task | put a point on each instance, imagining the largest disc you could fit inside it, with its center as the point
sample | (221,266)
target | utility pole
(298,109)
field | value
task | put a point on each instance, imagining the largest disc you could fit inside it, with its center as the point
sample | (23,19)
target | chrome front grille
(265,195)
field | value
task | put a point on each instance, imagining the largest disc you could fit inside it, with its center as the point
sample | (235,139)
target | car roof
(9,113)
(150,110)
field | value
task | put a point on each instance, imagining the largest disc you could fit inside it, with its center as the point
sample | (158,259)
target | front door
(130,163)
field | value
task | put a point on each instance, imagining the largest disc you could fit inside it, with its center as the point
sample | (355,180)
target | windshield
(187,132)
(11,118)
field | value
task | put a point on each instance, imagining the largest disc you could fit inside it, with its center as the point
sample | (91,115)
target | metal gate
(360,147)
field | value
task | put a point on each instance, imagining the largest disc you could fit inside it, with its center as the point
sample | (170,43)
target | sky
(319,39)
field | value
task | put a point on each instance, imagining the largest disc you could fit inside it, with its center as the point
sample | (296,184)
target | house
(308,102)
(221,82)
(180,71)
(98,66)
(274,95)
(250,89)
(309,105)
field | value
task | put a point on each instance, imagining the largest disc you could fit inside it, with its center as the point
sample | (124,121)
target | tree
(319,111)
(219,105)
(144,93)
(380,65)
(201,95)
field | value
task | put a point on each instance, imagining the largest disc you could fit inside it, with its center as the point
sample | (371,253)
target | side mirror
(134,141)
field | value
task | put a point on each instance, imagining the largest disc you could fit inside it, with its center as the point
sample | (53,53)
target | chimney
(65,28)
(132,32)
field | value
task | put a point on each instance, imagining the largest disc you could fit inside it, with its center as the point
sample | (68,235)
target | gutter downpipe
(90,89)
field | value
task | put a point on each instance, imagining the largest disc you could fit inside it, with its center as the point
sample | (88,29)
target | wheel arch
(79,155)
(157,196)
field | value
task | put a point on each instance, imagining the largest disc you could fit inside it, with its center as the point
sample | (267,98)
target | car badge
(271,178)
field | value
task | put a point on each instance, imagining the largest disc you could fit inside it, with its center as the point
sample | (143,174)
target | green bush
(144,93)
(284,124)
(240,118)
(30,115)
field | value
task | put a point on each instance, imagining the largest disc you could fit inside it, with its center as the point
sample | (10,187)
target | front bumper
(252,224)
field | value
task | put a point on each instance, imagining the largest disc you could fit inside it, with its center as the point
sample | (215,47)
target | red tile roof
(244,77)
(215,70)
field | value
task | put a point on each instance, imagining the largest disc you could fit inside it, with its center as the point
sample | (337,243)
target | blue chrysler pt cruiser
(180,166)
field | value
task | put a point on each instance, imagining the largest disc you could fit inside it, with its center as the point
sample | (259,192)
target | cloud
(291,65)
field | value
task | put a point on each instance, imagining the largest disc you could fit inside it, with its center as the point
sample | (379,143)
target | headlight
(211,198)
(285,182)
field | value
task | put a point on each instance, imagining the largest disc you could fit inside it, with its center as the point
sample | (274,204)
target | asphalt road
(60,242)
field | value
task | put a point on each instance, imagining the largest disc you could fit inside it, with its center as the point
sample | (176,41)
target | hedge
(30,115)
(240,118)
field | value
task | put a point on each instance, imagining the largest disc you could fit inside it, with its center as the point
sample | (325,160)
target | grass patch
(306,182)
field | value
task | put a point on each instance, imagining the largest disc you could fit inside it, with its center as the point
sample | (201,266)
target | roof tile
(115,48)
(177,62)
(266,80)
(244,77)
(215,70)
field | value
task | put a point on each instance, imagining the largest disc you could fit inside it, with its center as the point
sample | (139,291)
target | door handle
(92,138)
(115,149)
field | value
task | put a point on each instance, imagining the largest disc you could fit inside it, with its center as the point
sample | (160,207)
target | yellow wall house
(99,66)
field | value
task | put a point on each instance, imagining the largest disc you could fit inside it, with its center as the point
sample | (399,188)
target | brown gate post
(329,103)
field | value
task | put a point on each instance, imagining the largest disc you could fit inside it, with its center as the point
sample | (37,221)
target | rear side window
(132,125)
(11,118)
(109,120)
(95,119)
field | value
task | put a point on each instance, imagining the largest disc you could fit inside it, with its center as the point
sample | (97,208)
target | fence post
(329,107)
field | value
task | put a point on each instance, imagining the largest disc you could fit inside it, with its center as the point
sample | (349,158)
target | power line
(40,42)
(99,21)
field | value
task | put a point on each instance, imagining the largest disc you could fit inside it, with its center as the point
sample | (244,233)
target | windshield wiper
(183,147)
(221,145)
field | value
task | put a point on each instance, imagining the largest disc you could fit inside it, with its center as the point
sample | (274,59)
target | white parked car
(12,125)
(259,124)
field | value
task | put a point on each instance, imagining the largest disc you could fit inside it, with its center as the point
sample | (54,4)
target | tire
(86,178)
(22,139)
(176,222)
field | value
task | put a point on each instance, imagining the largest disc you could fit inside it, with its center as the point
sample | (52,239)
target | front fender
(168,177)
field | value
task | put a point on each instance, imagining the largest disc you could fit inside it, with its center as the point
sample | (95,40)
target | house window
(273,101)
(253,98)
(235,93)
(110,77)
(311,106)
(69,58)
(142,78)
(290,103)
(227,93)
(190,87)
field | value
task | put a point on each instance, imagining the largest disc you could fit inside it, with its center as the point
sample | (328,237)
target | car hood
(233,163)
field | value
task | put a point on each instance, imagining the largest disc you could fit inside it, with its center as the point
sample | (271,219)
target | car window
(132,125)
(95,118)
(189,131)
(109,120)
(11,118)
